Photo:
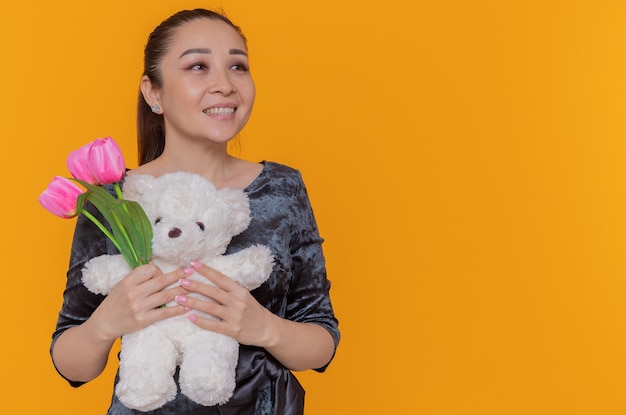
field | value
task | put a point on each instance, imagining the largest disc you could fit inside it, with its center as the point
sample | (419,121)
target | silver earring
(155,108)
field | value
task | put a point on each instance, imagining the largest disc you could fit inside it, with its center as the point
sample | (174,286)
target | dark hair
(150,127)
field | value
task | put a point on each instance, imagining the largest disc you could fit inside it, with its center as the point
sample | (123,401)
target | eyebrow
(195,50)
(237,52)
(208,51)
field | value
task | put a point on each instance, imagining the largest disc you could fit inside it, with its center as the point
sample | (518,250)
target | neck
(209,160)
(214,167)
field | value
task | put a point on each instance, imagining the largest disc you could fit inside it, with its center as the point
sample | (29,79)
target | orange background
(465,160)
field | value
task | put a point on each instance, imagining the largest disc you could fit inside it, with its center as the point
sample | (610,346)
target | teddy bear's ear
(135,185)
(239,208)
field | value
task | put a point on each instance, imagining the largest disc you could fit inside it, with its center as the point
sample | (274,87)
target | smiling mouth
(220,110)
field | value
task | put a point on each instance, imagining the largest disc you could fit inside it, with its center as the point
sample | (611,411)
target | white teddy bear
(192,221)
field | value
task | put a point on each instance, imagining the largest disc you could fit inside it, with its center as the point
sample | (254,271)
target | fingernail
(191,317)
(184,282)
(180,299)
(187,308)
(188,270)
(196,264)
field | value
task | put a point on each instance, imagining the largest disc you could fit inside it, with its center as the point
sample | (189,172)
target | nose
(221,83)
(174,233)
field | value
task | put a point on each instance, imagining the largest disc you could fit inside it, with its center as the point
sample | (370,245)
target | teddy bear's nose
(174,233)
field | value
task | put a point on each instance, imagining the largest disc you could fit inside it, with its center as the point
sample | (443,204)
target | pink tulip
(106,163)
(60,197)
(78,164)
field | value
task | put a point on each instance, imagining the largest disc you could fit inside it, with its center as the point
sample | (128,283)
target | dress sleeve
(78,302)
(309,293)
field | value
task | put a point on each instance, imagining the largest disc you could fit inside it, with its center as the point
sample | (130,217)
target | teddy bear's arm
(101,273)
(250,267)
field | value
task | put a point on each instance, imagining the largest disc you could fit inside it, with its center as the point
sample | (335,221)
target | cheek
(182,91)
(247,90)
(253,93)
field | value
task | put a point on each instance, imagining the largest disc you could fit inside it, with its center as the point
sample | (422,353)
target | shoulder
(279,187)
(281,170)
(278,175)
(277,181)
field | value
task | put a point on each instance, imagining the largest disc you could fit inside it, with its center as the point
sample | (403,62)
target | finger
(160,298)
(213,308)
(160,281)
(144,273)
(216,326)
(216,277)
(165,280)
(212,292)
(156,289)
(161,313)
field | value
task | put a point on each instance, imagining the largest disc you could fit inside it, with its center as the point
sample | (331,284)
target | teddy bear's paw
(144,399)
(207,374)
(250,267)
(146,372)
(209,394)
(101,273)
(209,386)
(261,256)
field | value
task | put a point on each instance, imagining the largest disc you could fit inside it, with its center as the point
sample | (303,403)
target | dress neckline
(257,178)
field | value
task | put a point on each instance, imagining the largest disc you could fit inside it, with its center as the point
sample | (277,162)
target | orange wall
(466,164)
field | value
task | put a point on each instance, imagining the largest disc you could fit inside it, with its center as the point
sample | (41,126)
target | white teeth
(219,110)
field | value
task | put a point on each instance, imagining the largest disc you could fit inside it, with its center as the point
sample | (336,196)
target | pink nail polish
(180,299)
(184,282)
(196,264)
(188,270)
(191,317)
(187,308)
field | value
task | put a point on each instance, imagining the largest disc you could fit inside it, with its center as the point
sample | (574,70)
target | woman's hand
(298,346)
(135,302)
(238,313)
(81,352)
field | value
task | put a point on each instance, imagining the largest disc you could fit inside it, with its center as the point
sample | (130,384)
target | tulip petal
(78,164)
(106,163)
(60,197)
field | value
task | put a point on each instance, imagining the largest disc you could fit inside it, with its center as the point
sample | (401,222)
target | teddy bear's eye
(157,220)
(200,225)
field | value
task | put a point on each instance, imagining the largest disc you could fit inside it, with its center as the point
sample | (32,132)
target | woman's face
(207,91)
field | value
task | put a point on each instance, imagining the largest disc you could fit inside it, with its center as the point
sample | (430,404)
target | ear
(151,94)
(135,185)
(239,208)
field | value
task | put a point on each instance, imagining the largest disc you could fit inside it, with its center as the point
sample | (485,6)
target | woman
(196,95)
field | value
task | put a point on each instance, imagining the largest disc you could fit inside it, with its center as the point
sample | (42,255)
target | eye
(200,225)
(240,67)
(158,220)
(197,67)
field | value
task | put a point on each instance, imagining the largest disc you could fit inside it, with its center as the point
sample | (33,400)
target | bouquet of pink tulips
(92,166)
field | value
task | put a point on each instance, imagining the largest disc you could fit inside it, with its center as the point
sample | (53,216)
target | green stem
(118,190)
(102,228)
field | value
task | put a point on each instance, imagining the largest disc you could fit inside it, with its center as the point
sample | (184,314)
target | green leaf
(137,226)
(129,224)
